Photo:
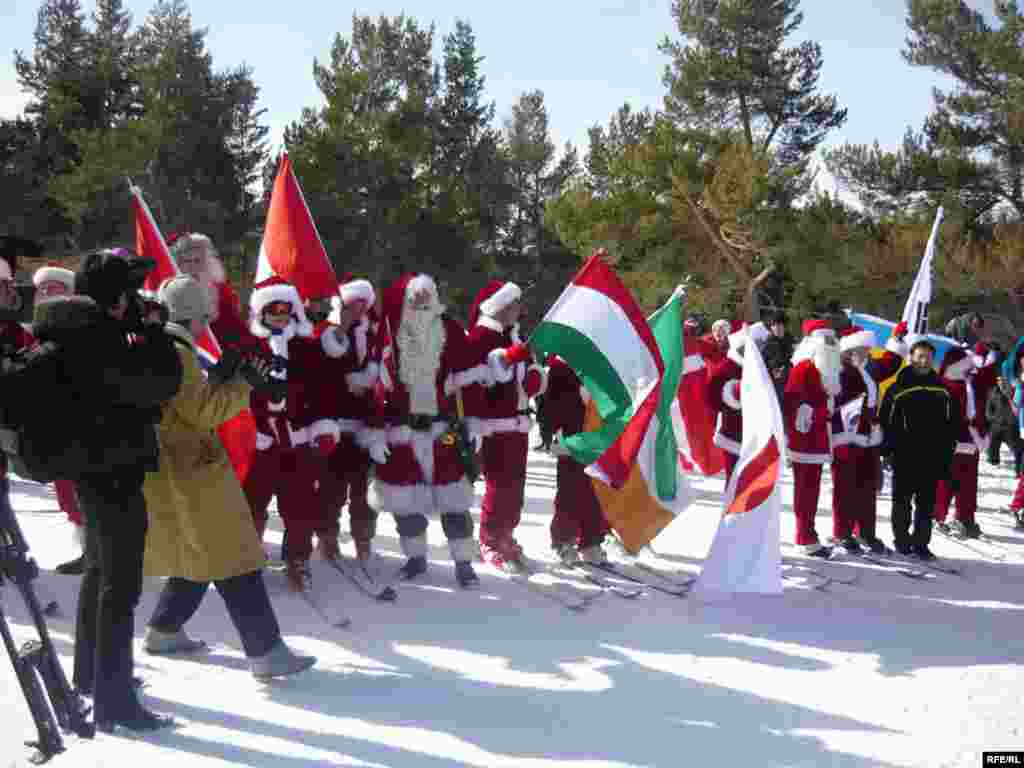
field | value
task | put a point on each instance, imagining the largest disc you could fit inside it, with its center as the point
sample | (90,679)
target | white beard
(829,365)
(212,296)
(420,342)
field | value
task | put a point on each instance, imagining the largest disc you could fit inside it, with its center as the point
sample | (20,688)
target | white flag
(915,313)
(745,554)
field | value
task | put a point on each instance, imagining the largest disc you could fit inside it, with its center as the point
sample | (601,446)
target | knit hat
(54,273)
(956,364)
(493,297)
(272,290)
(856,337)
(817,328)
(184,298)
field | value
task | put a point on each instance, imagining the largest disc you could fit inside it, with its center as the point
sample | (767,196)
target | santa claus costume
(808,404)
(578,528)
(195,255)
(857,437)
(504,423)
(350,398)
(969,378)
(293,437)
(51,281)
(724,393)
(420,469)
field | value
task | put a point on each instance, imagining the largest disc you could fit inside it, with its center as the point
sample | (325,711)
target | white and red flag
(745,554)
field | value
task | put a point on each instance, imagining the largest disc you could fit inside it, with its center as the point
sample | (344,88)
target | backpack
(48,428)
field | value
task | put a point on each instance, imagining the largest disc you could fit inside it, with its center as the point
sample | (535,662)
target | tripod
(58,707)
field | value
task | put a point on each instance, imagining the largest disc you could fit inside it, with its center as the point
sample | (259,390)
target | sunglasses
(278,309)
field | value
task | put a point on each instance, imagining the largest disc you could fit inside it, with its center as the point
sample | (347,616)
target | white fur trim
(858,340)
(897,347)
(503,297)
(726,444)
(261,297)
(421,498)
(323,427)
(505,425)
(804,418)
(349,427)
(692,364)
(478,374)
(359,333)
(264,442)
(331,345)
(968,449)
(734,355)
(798,457)
(823,333)
(5,270)
(296,437)
(728,396)
(958,371)
(491,324)
(759,332)
(357,290)
(53,274)
(369,436)
(416,284)
(501,372)
(360,381)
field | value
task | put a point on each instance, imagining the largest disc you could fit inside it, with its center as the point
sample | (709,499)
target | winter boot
(874,545)
(279,661)
(958,530)
(566,554)
(299,576)
(593,555)
(944,528)
(973,530)
(328,546)
(134,717)
(414,567)
(904,549)
(75,567)
(822,551)
(159,643)
(850,546)
(1020,521)
(924,554)
(465,575)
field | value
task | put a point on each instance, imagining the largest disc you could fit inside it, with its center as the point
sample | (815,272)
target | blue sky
(588,56)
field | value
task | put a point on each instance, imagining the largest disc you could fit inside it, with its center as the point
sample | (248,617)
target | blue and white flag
(915,313)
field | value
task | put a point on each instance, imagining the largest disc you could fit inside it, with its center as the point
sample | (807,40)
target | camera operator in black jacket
(137,368)
(920,421)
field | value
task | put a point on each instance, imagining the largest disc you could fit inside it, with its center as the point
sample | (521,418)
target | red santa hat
(819,328)
(394,297)
(54,273)
(272,290)
(957,363)
(855,337)
(493,298)
(349,292)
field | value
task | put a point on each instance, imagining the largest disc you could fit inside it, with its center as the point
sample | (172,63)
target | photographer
(137,369)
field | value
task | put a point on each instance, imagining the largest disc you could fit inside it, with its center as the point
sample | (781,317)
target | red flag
(238,435)
(699,420)
(292,248)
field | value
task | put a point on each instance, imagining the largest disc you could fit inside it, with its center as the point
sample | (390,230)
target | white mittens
(804,419)
(379,452)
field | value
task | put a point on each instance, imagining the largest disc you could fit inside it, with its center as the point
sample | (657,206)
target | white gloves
(804,419)
(557,449)
(379,452)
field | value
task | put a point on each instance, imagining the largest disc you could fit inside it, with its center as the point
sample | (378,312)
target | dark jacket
(999,411)
(920,422)
(123,381)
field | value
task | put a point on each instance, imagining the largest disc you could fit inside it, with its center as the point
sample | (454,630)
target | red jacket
(724,399)
(230,327)
(971,395)
(505,404)
(565,404)
(855,418)
(807,410)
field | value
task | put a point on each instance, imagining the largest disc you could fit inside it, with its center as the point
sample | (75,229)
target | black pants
(912,483)
(246,600)
(1011,436)
(115,515)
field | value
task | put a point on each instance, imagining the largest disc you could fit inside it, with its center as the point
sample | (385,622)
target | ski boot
(157,643)
(465,575)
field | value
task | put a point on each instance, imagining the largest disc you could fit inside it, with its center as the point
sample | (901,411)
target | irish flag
(745,555)
(632,368)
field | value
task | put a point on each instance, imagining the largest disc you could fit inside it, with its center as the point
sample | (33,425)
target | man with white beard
(420,467)
(808,403)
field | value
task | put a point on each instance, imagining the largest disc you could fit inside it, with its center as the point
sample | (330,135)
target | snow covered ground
(888,672)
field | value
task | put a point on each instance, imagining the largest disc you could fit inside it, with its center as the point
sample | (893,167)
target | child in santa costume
(350,393)
(293,436)
(969,378)
(420,468)
(51,281)
(505,422)
(578,528)
(724,393)
(857,437)
(808,404)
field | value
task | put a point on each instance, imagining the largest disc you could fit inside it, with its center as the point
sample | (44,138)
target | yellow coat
(200,524)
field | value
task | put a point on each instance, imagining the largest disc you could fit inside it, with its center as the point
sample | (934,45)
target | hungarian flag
(238,435)
(694,418)
(291,247)
(631,368)
(745,555)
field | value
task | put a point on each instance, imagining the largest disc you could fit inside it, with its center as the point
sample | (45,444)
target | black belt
(420,422)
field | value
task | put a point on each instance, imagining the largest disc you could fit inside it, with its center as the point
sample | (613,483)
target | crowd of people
(382,402)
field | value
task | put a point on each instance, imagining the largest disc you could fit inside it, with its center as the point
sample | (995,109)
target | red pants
(346,479)
(855,493)
(1018,498)
(730,465)
(806,492)
(965,470)
(291,476)
(504,464)
(67,501)
(578,518)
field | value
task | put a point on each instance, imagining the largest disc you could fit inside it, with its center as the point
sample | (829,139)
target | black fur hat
(106,275)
